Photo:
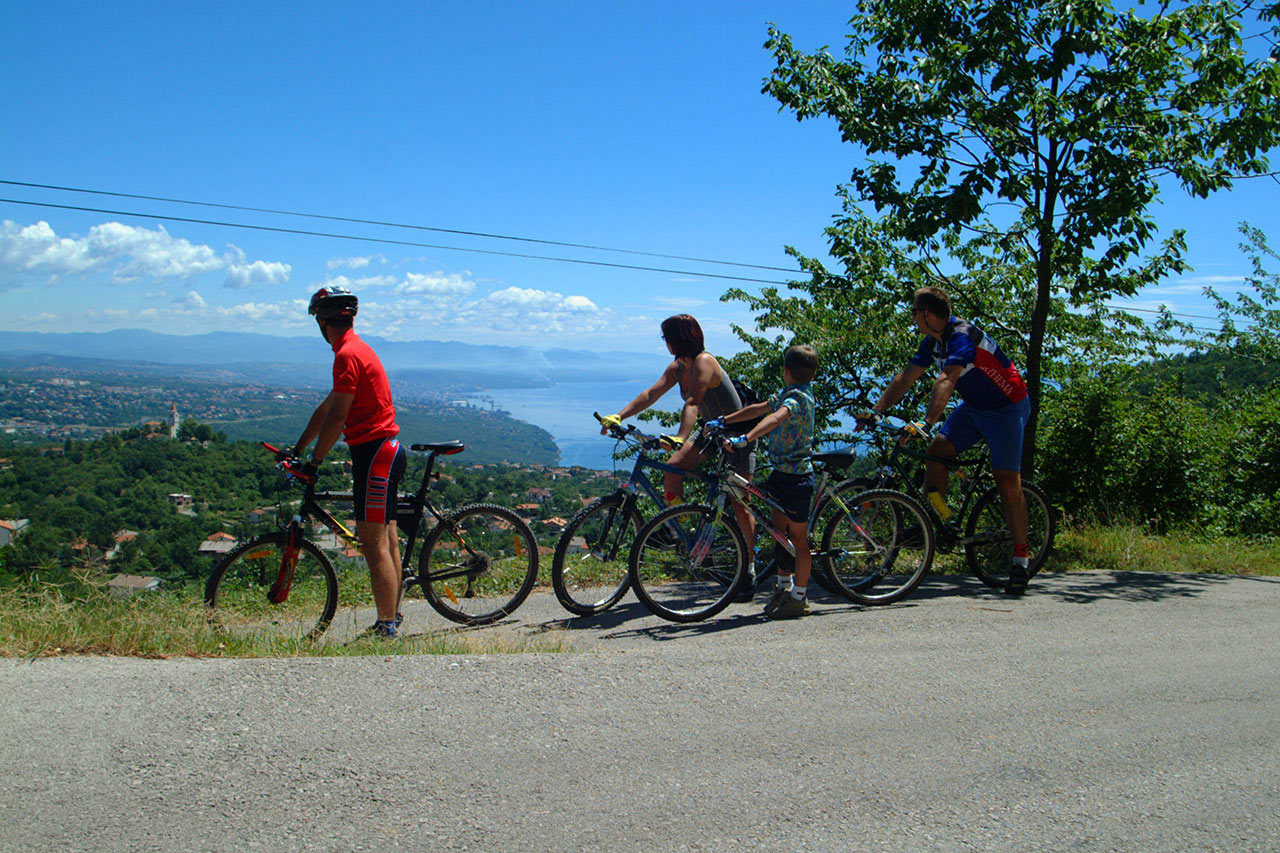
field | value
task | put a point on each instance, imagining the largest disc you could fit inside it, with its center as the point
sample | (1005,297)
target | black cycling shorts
(376,469)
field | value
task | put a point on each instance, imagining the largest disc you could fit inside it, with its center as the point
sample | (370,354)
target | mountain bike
(475,565)
(975,507)
(688,561)
(589,571)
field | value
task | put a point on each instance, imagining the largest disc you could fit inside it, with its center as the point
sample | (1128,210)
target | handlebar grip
(269,447)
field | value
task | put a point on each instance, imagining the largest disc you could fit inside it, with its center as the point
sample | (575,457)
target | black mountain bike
(476,565)
(976,523)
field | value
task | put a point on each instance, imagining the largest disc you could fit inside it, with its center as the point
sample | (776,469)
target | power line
(416,244)
(1157,311)
(391,225)
(384,240)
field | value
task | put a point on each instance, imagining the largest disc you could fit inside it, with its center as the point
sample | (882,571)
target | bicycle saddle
(443,447)
(842,458)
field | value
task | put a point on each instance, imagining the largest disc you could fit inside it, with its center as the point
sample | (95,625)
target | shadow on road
(1088,587)
(631,610)
(1073,588)
(1082,587)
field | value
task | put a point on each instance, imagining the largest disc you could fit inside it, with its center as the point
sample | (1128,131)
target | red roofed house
(218,543)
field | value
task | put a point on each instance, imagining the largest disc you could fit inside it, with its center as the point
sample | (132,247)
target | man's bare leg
(379,546)
(1014,503)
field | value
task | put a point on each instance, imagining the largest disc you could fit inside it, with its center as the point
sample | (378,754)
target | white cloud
(192,300)
(257,273)
(436,283)
(353,263)
(678,302)
(157,254)
(368,282)
(518,309)
(35,253)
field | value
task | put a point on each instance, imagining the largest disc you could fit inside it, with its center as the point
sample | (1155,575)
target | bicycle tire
(236,592)
(591,581)
(665,579)
(887,545)
(822,570)
(489,553)
(991,556)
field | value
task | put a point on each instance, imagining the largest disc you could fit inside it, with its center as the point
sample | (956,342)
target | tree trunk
(1035,346)
(1040,314)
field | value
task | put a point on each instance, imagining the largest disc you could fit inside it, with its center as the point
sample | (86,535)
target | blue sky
(633,125)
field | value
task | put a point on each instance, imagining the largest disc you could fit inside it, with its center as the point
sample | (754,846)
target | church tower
(175,420)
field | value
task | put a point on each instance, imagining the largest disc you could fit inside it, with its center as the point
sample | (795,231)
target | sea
(565,411)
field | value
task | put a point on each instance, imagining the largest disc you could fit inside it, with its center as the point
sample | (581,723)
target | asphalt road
(1101,712)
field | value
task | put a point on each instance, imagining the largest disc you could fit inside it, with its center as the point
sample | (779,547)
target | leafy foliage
(79,495)
(1164,458)
(1024,144)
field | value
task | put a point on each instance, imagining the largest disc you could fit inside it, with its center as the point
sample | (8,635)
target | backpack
(747,397)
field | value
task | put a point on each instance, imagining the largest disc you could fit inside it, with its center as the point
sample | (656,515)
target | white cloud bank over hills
(35,254)
(405,305)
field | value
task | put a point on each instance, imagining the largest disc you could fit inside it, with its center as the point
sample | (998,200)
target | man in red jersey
(360,409)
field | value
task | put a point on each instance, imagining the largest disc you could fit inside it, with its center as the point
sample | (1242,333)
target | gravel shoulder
(1102,711)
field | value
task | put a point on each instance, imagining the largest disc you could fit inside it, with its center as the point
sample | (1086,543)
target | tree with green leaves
(1020,147)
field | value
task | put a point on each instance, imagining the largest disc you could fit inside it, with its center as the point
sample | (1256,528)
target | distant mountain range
(446,363)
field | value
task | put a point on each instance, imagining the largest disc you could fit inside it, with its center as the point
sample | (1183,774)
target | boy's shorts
(376,469)
(1002,429)
(793,492)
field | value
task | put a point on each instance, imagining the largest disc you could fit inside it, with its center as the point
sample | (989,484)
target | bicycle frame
(412,509)
(743,492)
(896,472)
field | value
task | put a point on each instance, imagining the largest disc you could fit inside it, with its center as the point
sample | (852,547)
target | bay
(565,411)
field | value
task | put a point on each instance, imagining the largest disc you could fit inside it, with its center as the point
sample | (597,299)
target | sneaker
(1017,582)
(792,608)
(380,629)
(778,598)
(747,590)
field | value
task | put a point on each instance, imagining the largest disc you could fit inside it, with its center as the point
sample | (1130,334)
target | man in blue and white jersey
(995,408)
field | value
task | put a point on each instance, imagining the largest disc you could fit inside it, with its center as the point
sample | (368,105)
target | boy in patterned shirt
(788,422)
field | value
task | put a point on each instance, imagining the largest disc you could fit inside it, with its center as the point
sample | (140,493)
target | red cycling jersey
(357,371)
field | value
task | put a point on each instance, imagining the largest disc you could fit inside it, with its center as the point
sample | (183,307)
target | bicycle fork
(279,591)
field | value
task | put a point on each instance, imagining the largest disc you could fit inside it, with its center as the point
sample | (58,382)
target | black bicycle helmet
(333,301)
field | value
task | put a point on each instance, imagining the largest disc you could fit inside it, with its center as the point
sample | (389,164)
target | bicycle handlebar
(629,433)
(292,467)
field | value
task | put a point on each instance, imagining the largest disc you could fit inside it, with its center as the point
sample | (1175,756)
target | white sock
(784,581)
(797,592)
(1022,561)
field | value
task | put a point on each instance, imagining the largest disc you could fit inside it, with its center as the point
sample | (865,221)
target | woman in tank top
(707,393)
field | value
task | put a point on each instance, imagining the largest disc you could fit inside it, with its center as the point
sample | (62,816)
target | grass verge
(36,619)
(1131,549)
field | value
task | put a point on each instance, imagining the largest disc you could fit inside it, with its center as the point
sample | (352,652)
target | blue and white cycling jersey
(989,379)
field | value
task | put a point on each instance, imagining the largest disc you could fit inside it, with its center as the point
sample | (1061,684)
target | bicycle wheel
(988,547)
(589,571)
(237,591)
(844,491)
(478,564)
(879,550)
(687,561)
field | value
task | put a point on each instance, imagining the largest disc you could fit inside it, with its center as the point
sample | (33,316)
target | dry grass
(36,619)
